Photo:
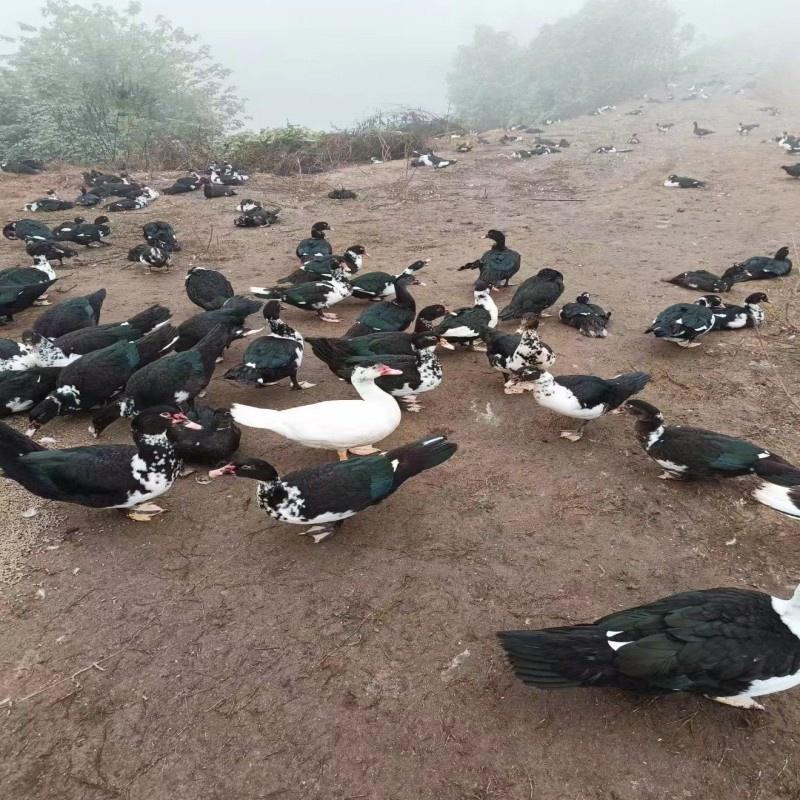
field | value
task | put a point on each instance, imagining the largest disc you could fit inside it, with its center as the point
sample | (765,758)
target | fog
(324,64)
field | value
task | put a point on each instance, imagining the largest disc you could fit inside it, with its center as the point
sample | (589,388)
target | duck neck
(402,297)
(317,234)
(153,447)
(488,303)
(370,393)
(43,265)
(499,244)
(529,341)
(280,328)
(354,259)
(649,430)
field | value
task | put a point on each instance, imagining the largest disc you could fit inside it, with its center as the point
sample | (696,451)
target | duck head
(530,322)
(9,230)
(499,239)
(354,256)
(253,468)
(756,298)
(411,269)
(318,230)
(649,419)
(272,309)
(782,254)
(583,298)
(158,420)
(548,274)
(425,341)
(42,413)
(370,373)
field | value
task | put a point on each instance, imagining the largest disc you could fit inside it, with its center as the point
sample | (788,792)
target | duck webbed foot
(689,344)
(364,450)
(300,385)
(327,317)
(144,512)
(739,702)
(319,533)
(574,436)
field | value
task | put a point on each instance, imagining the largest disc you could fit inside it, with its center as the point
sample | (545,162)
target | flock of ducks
(728,644)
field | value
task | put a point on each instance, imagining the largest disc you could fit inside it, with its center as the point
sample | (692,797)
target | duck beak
(180,418)
(384,370)
(219,473)
(33,428)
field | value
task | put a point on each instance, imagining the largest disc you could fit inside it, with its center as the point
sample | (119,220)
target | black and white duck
(91,381)
(317,296)
(381,285)
(732,317)
(683,182)
(417,373)
(153,257)
(512,354)
(390,315)
(215,190)
(701,280)
(584,397)
(50,250)
(316,244)
(271,358)
(682,323)
(499,264)
(256,218)
(325,495)
(730,645)
(89,234)
(700,132)
(745,130)
(793,170)
(176,379)
(686,453)
(320,268)
(107,191)
(248,205)
(105,476)
(590,319)
(161,234)
(134,202)
(16,356)
(15,298)
(757,268)
(88,198)
(535,294)
(77,312)
(429,159)
(207,288)
(27,230)
(466,325)
(185,184)
(50,203)
(96,178)
(41,271)
(378,344)
(340,425)
(64,231)
(213,442)
(24,388)
(24,166)
(231,316)
(71,346)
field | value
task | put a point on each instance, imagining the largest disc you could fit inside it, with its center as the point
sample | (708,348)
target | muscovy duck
(27,230)
(161,234)
(698,131)
(213,442)
(682,323)
(683,182)
(40,272)
(89,234)
(758,268)
(381,285)
(214,190)
(231,316)
(340,425)
(325,495)
(583,397)
(588,318)
(271,358)
(105,476)
(87,198)
(316,244)
(92,380)
(95,178)
(184,185)
(793,170)
(390,315)
(15,298)
(745,130)
(207,288)
(701,280)
(729,645)
(151,256)
(429,159)
(22,389)
(511,354)
(134,202)
(342,194)
(50,203)
(466,325)
(535,294)
(731,317)
(320,268)
(78,312)
(256,218)
(687,453)
(50,250)
(499,264)
(25,166)
(317,296)
(16,356)
(247,205)
(175,379)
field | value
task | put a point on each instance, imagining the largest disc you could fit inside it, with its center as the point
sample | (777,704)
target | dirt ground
(214,654)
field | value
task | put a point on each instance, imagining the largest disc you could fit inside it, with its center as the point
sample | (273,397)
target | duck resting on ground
(499,264)
(698,131)
(588,318)
(682,323)
(271,358)
(701,280)
(466,325)
(535,294)
(758,268)
(325,495)
(512,354)
(729,645)
(583,397)
(27,230)
(151,256)
(106,476)
(339,425)
(50,203)
(683,182)
(687,453)
(732,317)
(316,244)
(381,285)
(256,218)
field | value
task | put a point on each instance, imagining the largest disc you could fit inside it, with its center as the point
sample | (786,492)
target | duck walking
(512,354)
(499,264)
(106,476)
(682,323)
(324,496)
(686,453)
(759,268)
(341,425)
(590,319)
(535,294)
(318,296)
(584,397)
(271,358)
(730,645)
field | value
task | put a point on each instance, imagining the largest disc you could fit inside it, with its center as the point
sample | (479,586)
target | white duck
(339,425)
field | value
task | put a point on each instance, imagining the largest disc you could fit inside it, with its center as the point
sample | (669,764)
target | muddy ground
(214,654)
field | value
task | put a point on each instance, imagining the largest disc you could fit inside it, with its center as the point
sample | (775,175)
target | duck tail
(244,375)
(470,265)
(326,350)
(418,456)
(148,320)
(509,312)
(559,658)
(14,445)
(266,293)
(252,417)
(593,327)
(95,300)
(780,485)
(212,345)
(156,344)
(627,385)
(298,276)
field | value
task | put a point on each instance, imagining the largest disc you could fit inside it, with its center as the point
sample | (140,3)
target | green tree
(98,84)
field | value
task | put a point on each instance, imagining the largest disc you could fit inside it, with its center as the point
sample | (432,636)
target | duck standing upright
(207,288)
(320,268)
(318,296)
(584,397)
(466,325)
(499,264)
(729,645)
(340,425)
(325,495)
(590,319)
(382,285)
(512,354)
(316,244)
(535,294)
(391,315)
(78,312)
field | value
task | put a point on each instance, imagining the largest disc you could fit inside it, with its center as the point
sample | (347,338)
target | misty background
(322,64)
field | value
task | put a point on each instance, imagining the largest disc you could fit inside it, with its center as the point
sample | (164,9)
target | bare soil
(213,654)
